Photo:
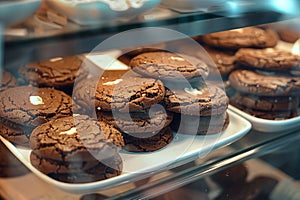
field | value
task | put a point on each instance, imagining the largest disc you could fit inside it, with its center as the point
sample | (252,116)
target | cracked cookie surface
(57,72)
(243,37)
(122,93)
(205,101)
(169,66)
(7,81)
(76,149)
(137,122)
(32,106)
(268,59)
(148,144)
(264,85)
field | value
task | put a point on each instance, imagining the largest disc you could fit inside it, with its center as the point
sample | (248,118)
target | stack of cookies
(76,149)
(266,87)
(130,103)
(222,46)
(38,113)
(263,84)
(198,108)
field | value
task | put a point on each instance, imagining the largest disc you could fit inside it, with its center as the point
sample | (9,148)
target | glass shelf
(80,39)
(245,149)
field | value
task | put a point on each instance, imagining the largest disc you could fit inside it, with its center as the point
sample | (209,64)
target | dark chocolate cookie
(93,196)
(7,80)
(272,115)
(169,66)
(265,103)
(205,101)
(58,72)
(137,122)
(258,188)
(264,85)
(32,106)
(121,93)
(224,60)
(220,62)
(76,149)
(288,34)
(268,59)
(16,135)
(203,125)
(10,166)
(78,172)
(74,138)
(243,37)
(149,144)
(235,175)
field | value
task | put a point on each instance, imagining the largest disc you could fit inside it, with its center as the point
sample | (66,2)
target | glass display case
(253,158)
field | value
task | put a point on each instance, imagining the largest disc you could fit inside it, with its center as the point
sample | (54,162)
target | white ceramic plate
(182,149)
(266,125)
(12,12)
(95,12)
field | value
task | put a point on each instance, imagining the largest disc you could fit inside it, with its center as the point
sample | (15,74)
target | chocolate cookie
(130,53)
(273,115)
(7,80)
(93,196)
(205,101)
(265,103)
(59,73)
(169,66)
(224,60)
(16,135)
(288,34)
(243,37)
(251,82)
(148,144)
(203,125)
(137,122)
(259,188)
(267,59)
(76,148)
(235,175)
(28,107)
(220,62)
(78,172)
(10,166)
(120,93)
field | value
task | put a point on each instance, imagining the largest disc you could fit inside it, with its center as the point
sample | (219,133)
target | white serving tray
(267,125)
(182,149)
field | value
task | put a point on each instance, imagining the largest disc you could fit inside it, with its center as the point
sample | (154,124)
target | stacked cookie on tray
(198,108)
(39,114)
(131,103)
(266,87)
(263,82)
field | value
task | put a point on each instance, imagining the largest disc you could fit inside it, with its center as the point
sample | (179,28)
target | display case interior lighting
(236,8)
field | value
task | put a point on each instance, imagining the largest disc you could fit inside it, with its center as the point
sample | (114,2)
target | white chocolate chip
(192,91)
(69,132)
(56,59)
(177,58)
(240,30)
(113,82)
(36,100)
